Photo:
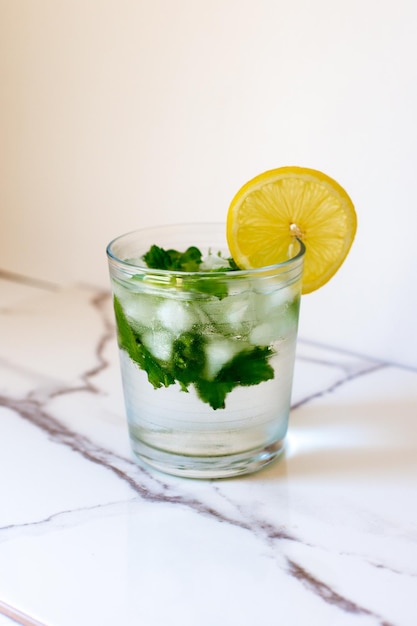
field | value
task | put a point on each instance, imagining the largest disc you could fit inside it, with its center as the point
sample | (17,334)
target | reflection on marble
(327,535)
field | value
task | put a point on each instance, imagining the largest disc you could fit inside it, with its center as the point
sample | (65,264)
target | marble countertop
(325,536)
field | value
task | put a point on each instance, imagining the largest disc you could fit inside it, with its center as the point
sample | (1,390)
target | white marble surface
(325,536)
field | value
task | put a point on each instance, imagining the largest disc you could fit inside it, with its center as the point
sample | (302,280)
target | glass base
(208,467)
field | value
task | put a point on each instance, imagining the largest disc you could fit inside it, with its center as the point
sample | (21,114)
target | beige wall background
(117,114)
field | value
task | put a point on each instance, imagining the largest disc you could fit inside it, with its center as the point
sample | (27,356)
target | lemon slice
(285,203)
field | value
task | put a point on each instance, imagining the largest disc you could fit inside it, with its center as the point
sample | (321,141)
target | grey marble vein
(351,375)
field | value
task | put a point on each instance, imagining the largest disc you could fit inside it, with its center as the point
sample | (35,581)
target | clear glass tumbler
(207,356)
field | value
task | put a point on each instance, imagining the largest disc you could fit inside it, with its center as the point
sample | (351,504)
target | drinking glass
(207,357)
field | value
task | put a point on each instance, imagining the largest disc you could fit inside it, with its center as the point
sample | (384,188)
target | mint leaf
(247,368)
(208,285)
(125,334)
(158,375)
(190,260)
(213,393)
(160,259)
(233,265)
(130,341)
(157,258)
(188,358)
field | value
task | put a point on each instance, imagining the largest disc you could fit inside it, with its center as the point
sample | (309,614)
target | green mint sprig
(160,259)
(187,364)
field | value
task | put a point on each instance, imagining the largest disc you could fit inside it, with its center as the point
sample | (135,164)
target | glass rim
(286,264)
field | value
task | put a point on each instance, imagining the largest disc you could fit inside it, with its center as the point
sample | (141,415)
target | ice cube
(175,316)
(266,302)
(264,334)
(237,310)
(159,343)
(219,352)
(239,285)
(275,323)
(214,262)
(235,315)
(138,308)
